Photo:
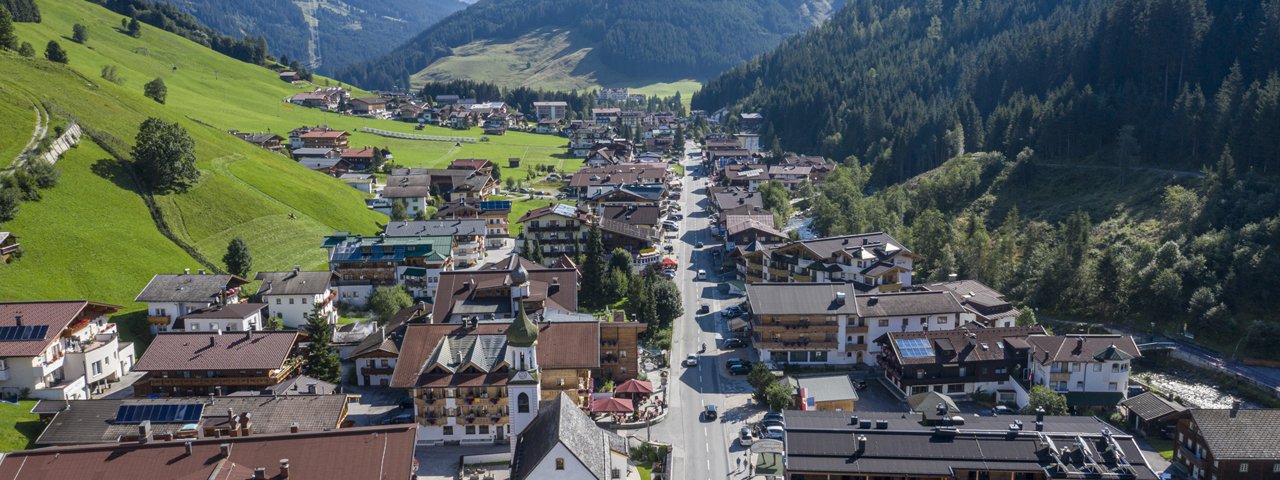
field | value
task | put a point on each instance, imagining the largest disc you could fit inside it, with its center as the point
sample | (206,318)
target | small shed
(1151,414)
(513,162)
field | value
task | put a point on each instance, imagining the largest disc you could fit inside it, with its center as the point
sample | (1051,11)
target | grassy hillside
(244,192)
(546,59)
(92,235)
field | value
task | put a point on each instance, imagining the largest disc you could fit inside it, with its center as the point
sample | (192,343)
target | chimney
(1039,414)
(189,447)
(853,420)
(144,431)
(840,298)
(17,319)
(311,388)
(1235,408)
(293,427)
(224,449)
(213,341)
(862,443)
(260,473)
(186,271)
(248,334)
(202,271)
(284,468)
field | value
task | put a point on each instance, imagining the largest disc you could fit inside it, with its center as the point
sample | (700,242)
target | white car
(691,360)
(775,432)
(702,274)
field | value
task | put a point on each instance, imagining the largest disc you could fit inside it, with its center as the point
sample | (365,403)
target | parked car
(745,437)
(775,432)
(709,412)
(775,418)
(702,275)
(670,274)
(699,245)
(734,343)
(739,369)
(704,308)
(691,360)
(732,311)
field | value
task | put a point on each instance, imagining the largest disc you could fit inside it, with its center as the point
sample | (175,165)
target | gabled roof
(261,350)
(324,134)
(1240,433)
(382,452)
(638,232)
(1152,406)
(455,227)
(735,224)
(234,311)
(964,344)
(560,422)
(93,421)
(560,345)
(56,316)
(295,282)
(906,304)
(561,209)
(188,287)
(802,299)
(456,292)
(1082,348)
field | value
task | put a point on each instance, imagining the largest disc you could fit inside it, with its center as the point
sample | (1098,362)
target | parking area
(443,462)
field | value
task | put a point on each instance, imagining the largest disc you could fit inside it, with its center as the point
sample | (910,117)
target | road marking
(707,448)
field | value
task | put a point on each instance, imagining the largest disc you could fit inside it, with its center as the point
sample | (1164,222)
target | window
(924,321)
(277,301)
(962,371)
(231,327)
(1244,467)
(471,429)
(484,429)
(942,320)
(622,353)
(1075,367)
(884,322)
(905,321)
(1097,367)
(306,301)
(559,464)
(290,301)
(1113,386)
(1079,385)
(195,326)
(955,388)
(522,403)
(384,362)
(97,368)
(448,431)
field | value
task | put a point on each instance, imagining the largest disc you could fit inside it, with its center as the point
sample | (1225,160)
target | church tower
(524,386)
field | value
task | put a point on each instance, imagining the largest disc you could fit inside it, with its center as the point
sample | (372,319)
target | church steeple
(523,332)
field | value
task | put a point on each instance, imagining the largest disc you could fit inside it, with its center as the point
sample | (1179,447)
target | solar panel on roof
(495,205)
(914,348)
(160,413)
(18,334)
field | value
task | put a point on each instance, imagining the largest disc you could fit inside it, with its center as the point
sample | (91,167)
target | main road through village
(702,448)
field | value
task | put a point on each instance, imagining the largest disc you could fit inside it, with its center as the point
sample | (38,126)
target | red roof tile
(384,452)
(56,315)
(560,345)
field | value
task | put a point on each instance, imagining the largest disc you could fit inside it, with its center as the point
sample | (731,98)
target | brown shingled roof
(263,350)
(560,345)
(382,452)
(56,315)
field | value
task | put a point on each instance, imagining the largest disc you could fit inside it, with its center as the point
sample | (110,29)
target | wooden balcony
(158,320)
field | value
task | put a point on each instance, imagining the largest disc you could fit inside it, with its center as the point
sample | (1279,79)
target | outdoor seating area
(631,403)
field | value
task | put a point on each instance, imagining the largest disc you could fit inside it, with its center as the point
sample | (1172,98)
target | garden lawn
(18,426)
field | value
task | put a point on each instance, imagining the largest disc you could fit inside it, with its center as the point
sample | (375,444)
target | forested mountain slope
(607,40)
(907,85)
(323,35)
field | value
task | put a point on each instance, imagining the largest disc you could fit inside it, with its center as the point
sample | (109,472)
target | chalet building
(193,363)
(874,262)
(748,229)
(892,446)
(495,213)
(1150,414)
(357,158)
(481,381)
(957,363)
(468,236)
(1092,371)
(584,138)
(474,164)
(235,317)
(819,167)
(364,263)
(59,350)
(830,323)
(605,116)
(489,294)
(748,176)
(325,138)
(637,174)
(290,76)
(266,141)
(723,158)
(459,184)
(171,296)
(368,106)
(597,196)
(112,421)
(1229,444)
(988,306)
(363,182)
(726,198)
(294,296)
(366,452)
(320,159)
(557,228)
(408,187)
(550,110)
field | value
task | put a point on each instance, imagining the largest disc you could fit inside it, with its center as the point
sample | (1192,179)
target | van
(702,274)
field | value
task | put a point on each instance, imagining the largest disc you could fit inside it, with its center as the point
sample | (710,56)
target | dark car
(737,361)
(709,413)
(739,369)
(734,343)
(704,309)
(774,418)
(699,245)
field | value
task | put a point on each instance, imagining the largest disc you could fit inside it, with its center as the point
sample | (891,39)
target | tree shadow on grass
(30,429)
(114,171)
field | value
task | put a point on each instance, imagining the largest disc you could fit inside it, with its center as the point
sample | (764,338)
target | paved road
(704,449)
